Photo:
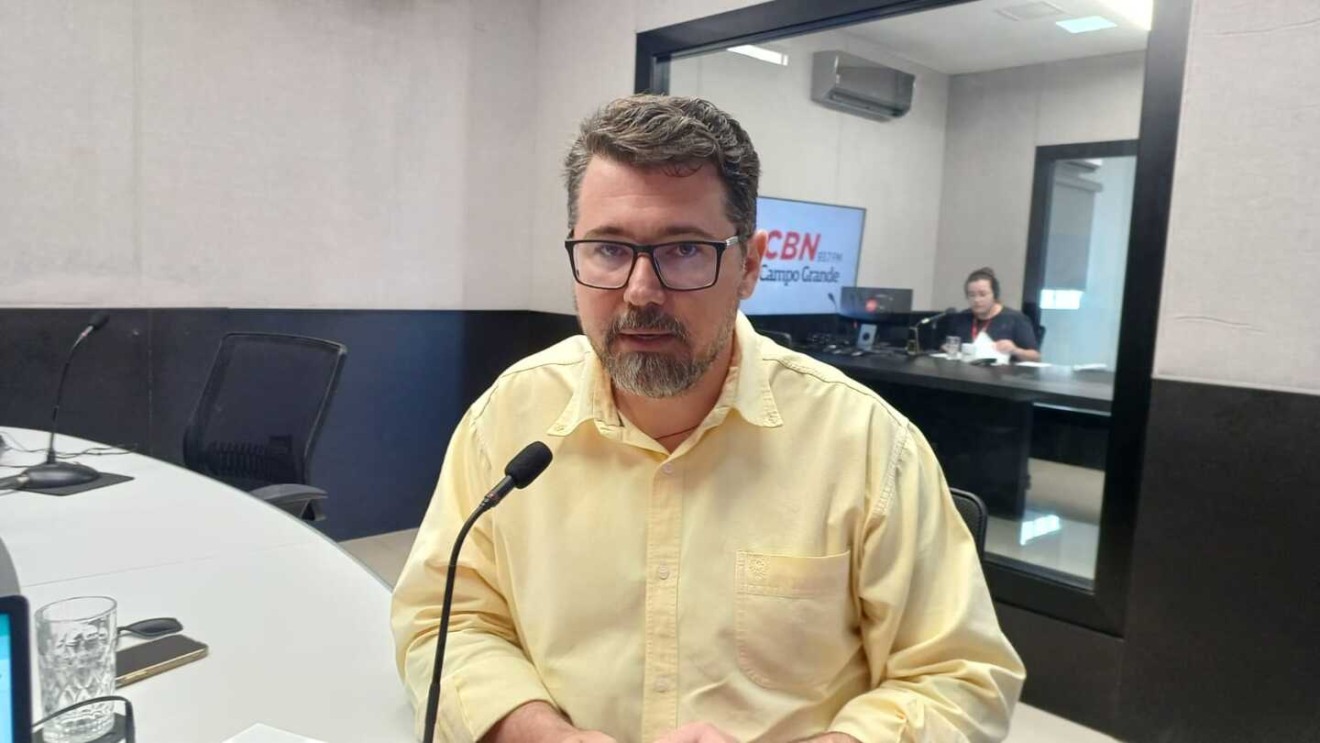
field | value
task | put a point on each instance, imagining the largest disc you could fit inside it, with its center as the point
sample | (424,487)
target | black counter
(1056,385)
(979,419)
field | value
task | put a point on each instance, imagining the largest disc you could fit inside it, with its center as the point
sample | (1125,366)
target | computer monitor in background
(882,315)
(874,304)
(811,255)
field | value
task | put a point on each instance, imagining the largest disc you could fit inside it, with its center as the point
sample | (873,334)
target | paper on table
(266,734)
(1031,364)
(985,348)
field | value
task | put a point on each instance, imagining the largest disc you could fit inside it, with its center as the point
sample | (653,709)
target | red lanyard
(976,329)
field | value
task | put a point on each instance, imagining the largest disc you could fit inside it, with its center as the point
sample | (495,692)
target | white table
(298,629)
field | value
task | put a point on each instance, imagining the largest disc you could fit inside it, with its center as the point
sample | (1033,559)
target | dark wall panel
(1223,637)
(1071,671)
(544,329)
(408,378)
(106,397)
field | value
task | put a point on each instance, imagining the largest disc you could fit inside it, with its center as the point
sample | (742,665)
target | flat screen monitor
(812,253)
(15,689)
(873,304)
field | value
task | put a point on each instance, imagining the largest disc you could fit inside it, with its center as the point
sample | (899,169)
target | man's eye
(684,251)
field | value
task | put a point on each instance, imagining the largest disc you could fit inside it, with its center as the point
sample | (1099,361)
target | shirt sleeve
(486,673)
(941,669)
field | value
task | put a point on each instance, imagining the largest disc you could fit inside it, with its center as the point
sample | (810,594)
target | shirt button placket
(663,533)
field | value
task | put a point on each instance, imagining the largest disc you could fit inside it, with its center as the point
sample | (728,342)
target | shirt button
(668,469)
(663,572)
(662,685)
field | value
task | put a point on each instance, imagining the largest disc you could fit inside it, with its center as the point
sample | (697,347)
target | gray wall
(892,169)
(997,120)
(948,187)
(295,154)
(1240,279)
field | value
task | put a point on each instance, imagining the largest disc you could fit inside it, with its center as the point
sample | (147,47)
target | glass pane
(1085,255)
(906,148)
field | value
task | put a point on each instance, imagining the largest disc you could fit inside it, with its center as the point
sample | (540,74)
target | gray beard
(655,375)
(661,375)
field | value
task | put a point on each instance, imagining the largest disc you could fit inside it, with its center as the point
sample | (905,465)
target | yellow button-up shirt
(795,566)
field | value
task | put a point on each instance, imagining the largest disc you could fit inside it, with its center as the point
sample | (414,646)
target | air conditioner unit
(848,83)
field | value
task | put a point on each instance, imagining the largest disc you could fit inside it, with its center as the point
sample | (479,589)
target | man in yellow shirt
(734,542)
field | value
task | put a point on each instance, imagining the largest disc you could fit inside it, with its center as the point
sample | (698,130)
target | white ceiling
(973,37)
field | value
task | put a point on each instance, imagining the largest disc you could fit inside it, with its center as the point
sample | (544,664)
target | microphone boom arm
(59,394)
(433,694)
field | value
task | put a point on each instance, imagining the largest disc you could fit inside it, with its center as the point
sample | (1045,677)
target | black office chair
(972,510)
(779,336)
(256,424)
(1032,311)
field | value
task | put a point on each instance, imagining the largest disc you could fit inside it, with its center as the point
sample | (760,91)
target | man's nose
(644,285)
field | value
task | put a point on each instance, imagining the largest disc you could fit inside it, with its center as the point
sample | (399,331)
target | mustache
(649,318)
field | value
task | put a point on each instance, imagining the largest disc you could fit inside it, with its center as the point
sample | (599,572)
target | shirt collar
(746,389)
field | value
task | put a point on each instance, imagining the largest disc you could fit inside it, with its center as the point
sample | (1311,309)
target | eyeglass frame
(649,251)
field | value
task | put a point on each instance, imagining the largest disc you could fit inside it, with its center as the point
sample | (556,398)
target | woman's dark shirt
(1009,324)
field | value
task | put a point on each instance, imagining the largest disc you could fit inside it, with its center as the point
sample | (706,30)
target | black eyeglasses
(684,266)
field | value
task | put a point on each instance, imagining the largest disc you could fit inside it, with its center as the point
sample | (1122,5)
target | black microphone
(914,331)
(948,311)
(55,474)
(526,466)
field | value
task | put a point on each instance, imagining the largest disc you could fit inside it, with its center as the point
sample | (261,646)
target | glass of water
(76,640)
(952,344)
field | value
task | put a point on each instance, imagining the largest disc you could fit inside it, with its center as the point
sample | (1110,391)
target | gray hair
(670,132)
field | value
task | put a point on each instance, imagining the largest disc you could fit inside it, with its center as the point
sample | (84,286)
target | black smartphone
(143,661)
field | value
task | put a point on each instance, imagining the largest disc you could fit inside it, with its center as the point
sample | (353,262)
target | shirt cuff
(482,694)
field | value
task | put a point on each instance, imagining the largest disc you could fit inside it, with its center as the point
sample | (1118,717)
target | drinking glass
(952,344)
(76,640)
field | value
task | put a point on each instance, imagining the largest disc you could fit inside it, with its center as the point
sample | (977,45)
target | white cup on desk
(968,351)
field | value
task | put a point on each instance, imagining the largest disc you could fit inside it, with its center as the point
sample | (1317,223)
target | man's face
(653,341)
(980,297)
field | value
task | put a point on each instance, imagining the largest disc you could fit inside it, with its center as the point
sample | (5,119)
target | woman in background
(1009,329)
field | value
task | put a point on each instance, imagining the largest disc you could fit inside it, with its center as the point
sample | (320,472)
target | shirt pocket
(793,618)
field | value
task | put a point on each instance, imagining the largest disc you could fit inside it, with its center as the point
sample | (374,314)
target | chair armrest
(302,501)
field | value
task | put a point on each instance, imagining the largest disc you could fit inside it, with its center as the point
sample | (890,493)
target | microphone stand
(53,473)
(433,693)
(914,332)
(914,340)
(520,472)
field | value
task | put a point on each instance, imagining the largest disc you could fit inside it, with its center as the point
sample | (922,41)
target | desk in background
(977,418)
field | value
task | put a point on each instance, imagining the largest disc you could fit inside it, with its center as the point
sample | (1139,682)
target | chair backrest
(261,411)
(973,512)
(1032,311)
